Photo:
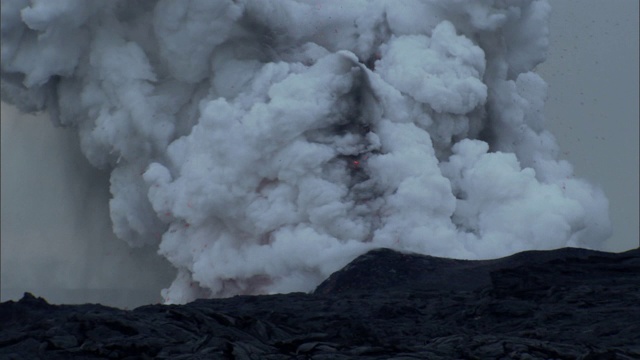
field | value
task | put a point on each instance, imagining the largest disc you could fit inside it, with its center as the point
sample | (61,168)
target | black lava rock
(561,304)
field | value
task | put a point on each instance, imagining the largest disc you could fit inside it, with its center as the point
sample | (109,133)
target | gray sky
(592,109)
(50,245)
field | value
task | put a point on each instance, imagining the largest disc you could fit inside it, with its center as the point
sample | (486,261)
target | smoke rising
(262,145)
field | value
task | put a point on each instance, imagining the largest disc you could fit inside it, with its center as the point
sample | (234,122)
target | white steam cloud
(263,144)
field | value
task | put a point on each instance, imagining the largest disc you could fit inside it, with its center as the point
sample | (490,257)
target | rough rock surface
(561,304)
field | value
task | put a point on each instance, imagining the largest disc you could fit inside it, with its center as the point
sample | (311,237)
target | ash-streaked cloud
(261,145)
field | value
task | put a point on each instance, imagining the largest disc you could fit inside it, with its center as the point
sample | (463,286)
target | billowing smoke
(263,144)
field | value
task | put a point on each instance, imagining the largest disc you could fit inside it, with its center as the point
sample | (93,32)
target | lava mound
(560,304)
(385,270)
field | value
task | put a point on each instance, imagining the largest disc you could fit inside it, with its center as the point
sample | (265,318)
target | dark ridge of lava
(560,304)
(384,268)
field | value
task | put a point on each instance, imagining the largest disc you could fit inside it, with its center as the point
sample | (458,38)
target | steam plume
(263,144)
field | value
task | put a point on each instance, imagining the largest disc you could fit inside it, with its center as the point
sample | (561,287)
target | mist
(57,239)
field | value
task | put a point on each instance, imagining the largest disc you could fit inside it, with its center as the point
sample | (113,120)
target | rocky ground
(561,304)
